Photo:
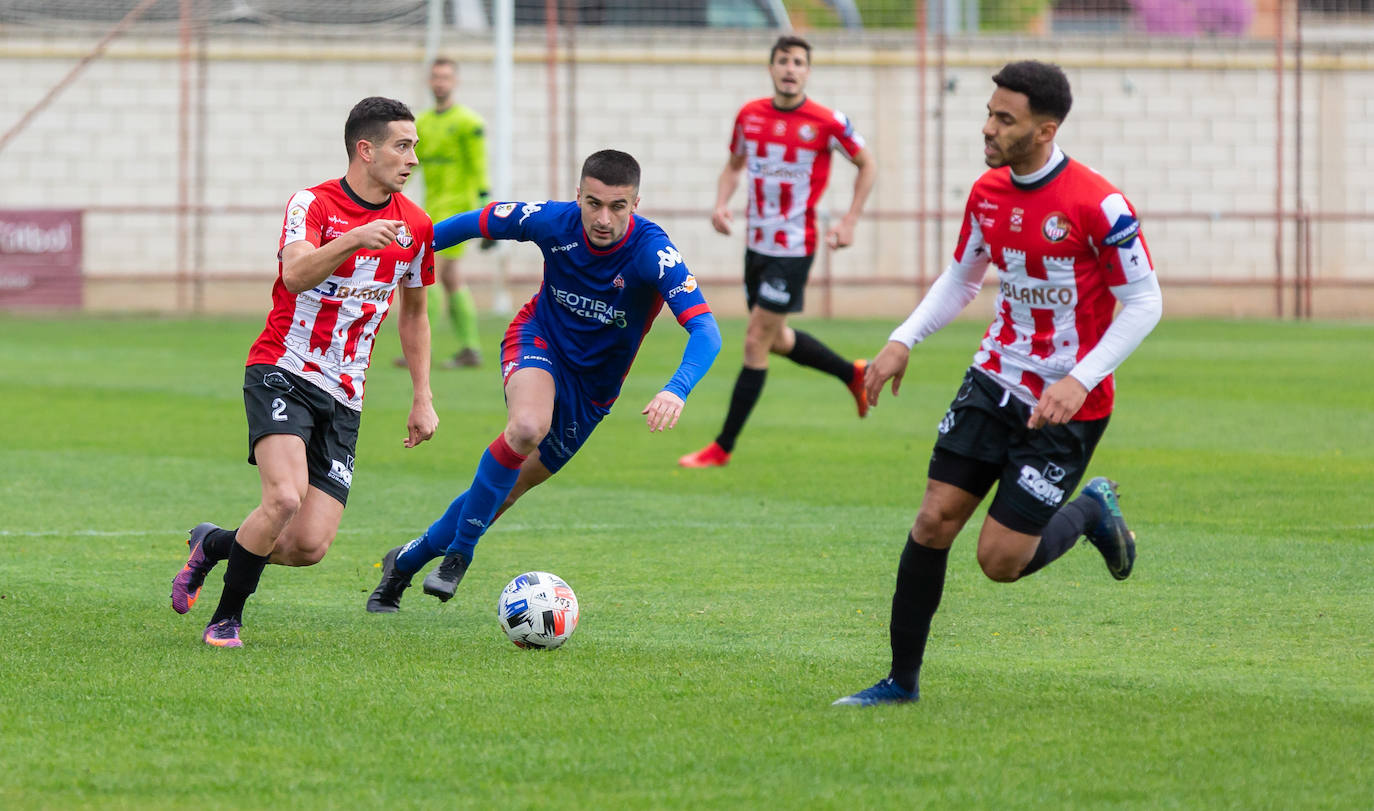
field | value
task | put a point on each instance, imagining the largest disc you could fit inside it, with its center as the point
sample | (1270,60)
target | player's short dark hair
(1044,84)
(443,60)
(612,167)
(368,120)
(787,42)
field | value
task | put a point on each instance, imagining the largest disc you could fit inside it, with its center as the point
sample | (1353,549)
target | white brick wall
(1175,138)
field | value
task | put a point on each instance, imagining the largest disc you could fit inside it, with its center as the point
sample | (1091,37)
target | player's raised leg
(187,584)
(530,395)
(1107,529)
(804,349)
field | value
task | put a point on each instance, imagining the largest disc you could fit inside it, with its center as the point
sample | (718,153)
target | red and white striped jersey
(326,334)
(1058,244)
(788,157)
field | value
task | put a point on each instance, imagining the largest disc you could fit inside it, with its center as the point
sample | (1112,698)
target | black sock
(1062,532)
(810,352)
(748,387)
(217,543)
(240,580)
(920,583)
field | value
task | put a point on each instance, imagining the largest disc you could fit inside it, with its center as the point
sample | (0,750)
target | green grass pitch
(722,610)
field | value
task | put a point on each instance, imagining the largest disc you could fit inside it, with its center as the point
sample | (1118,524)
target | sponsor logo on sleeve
(295,218)
(503,210)
(1123,233)
(688,285)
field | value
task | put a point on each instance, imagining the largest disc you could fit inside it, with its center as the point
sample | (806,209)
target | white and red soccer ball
(537,610)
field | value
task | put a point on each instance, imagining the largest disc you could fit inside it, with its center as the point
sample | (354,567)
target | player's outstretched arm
(458,228)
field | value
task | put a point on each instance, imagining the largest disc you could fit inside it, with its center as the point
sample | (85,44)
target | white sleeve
(951,293)
(1142,303)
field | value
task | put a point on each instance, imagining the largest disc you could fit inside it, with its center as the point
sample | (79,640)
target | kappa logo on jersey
(1037,485)
(1123,233)
(527,210)
(503,210)
(1055,227)
(565,248)
(780,128)
(668,258)
(1018,216)
(946,423)
(403,238)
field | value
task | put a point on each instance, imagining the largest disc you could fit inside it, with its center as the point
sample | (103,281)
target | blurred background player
(1032,407)
(346,245)
(785,141)
(607,274)
(453,162)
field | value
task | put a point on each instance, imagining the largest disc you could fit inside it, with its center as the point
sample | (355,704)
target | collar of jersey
(804,100)
(617,246)
(348,190)
(1057,163)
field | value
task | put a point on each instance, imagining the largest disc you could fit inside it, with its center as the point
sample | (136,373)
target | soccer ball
(537,610)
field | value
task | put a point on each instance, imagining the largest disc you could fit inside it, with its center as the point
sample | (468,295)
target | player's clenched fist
(378,234)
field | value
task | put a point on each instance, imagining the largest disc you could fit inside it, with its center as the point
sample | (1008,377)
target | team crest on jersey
(1055,227)
(504,210)
(618,281)
(403,238)
(807,132)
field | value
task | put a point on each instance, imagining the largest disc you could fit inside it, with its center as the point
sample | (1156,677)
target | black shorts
(984,439)
(279,402)
(776,283)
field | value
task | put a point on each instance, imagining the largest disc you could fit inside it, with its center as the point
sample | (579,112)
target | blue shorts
(575,415)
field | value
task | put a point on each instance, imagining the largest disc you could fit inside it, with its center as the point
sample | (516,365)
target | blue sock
(433,542)
(496,475)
